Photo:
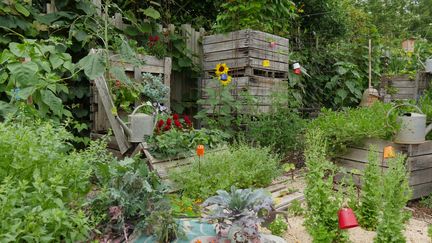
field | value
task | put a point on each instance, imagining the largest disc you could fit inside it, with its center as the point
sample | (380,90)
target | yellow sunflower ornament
(221,68)
(224,79)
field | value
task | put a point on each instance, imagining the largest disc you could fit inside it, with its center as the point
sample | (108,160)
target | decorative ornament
(224,77)
(347,218)
(221,68)
(266,63)
(389,152)
(297,68)
(272,44)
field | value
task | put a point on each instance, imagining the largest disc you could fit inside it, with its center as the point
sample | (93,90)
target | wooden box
(404,86)
(418,163)
(258,88)
(99,121)
(244,52)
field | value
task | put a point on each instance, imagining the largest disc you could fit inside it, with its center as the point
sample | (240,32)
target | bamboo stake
(370,63)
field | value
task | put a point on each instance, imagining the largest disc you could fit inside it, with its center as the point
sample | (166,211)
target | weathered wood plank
(244,34)
(108,105)
(167,79)
(247,61)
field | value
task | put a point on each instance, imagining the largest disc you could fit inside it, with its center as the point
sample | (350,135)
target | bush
(355,124)
(42,183)
(240,166)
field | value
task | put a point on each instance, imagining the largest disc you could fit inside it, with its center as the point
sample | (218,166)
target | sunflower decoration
(221,68)
(224,79)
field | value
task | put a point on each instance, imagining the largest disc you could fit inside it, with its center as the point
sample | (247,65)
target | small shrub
(278,226)
(240,166)
(371,198)
(426,201)
(396,193)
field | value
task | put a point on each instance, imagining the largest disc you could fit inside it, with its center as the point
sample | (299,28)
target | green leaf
(25,92)
(23,73)
(152,13)
(54,102)
(341,93)
(55,61)
(21,9)
(93,65)
(3,77)
(18,49)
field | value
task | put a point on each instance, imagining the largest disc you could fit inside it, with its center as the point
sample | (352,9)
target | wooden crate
(259,88)
(407,87)
(418,163)
(98,117)
(244,52)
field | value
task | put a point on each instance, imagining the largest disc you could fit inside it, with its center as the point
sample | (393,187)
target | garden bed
(418,163)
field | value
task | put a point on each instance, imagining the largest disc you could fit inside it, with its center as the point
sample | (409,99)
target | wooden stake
(370,63)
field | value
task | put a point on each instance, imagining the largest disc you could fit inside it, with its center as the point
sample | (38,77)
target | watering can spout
(127,130)
(428,129)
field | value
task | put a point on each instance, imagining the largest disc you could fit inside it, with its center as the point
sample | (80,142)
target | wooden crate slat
(259,35)
(235,35)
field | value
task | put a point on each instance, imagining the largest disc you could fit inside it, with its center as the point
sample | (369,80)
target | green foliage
(43,183)
(176,142)
(352,125)
(266,15)
(129,192)
(396,193)
(278,226)
(164,226)
(281,128)
(296,208)
(240,166)
(221,107)
(33,72)
(371,198)
(322,203)
(430,231)
(426,202)
(154,88)
(183,206)
(240,212)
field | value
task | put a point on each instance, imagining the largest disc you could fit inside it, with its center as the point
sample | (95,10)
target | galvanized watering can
(413,128)
(140,124)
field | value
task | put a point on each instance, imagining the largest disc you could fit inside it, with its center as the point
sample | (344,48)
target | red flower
(178,124)
(175,117)
(167,127)
(168,122)
(187,121)
(160,124)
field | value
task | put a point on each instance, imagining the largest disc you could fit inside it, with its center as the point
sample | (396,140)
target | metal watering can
(140,124)
(413,126)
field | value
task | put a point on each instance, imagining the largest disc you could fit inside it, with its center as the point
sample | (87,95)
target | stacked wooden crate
(418,163)
(257,61)
(401,87)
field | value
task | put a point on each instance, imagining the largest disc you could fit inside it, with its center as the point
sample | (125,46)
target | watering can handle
(394,107)
(138,107)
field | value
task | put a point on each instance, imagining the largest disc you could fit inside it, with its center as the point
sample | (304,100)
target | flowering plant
(166,125)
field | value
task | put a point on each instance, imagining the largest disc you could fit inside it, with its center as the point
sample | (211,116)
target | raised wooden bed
(244,52)
(406,87)
(418,163)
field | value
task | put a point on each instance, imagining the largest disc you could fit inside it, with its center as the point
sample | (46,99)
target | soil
(416,230)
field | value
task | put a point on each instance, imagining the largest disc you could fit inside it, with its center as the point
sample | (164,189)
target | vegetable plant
(278,226)
(239,212)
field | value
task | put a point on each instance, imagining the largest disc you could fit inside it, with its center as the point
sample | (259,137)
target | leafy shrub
(278,226)
(426,201)
(371,198)
(352,125)
(322,203)
(154,88)
(43,183)
(240,166)
(396,193)
(296,208)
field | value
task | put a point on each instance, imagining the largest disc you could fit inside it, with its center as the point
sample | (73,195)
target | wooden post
(167,78)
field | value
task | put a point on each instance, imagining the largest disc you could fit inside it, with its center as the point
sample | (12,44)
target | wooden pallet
(407,87)
(418,163)
(244,52)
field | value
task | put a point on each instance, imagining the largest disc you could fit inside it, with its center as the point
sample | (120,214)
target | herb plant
(371,197)
(154,88)
(241,166)
(322,203)
(396,193)
(278,226)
